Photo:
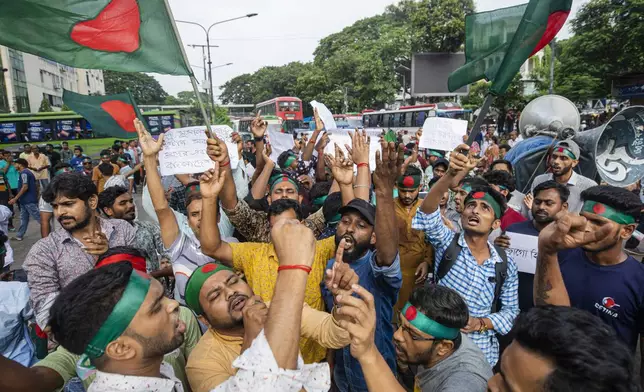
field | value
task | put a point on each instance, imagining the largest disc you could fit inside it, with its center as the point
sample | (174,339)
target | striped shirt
(474,282)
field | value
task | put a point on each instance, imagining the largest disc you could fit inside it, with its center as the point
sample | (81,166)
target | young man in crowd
(39,165)
(516,200)
(104,171)
(372,251)
(87,167)
(429,337)
(486,279)
(503,150)
(514,139)
(331,210)
(126,171)
(550,198)
(234,314)
(45,209)
(12,177)
(439,167)
(53,155)
(117,203)
(563,160)
(457,205)
(26,197)
(564,349)
(65,153)
(415,254)
(503,182)
(76,162)
(26,152)
(53,262)
(595,275)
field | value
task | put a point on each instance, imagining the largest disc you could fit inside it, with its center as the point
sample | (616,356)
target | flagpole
(193,80)
(139,115)
(479,120)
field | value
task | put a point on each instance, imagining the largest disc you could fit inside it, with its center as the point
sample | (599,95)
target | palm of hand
(211,187)
(385,174)
(343,173)
(149,146)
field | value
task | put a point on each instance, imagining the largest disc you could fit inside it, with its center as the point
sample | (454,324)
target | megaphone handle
(479,120)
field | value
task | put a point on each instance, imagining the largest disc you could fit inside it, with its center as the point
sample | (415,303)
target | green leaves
(144,88)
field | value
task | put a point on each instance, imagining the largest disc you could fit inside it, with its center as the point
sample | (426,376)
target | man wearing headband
(516,201)
(429,337)
(503,182)
(456,206)
(483,275)
(564,158)
(415,254)
(287,160)
(122,324)
(228,305)
(55,261)
(596,275)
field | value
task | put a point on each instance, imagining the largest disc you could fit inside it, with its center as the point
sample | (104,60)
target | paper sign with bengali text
(523,250)
(444,134)
(184,152)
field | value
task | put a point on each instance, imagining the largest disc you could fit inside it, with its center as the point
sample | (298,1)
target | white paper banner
(233,155)
(443,134)
(184,152)
(280,142)
(523,250)
(325,115)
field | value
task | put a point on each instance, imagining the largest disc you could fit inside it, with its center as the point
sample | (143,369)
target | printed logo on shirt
(608,306)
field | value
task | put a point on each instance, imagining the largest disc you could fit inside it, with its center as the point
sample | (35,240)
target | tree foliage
(144,88)
(45,106)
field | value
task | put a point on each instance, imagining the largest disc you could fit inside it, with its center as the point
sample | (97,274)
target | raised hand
(266,153)
(96,244)
(255,313)
(568,231)
(258,126)
(319,125)
(341,277)
(528,200)
(290,252)
(149,146)
(341,167)
(413,158)
(306,181)
(239,141)
(388,166)
(359,147)
(211,182)
(322,143)
(361,323)
(217,150)
(502,241)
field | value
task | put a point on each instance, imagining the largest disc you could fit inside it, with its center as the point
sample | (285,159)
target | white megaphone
(550,115)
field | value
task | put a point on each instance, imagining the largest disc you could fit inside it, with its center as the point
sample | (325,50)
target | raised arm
(210,185)
(307,153)
(360,156)
(150,148)
(258,129)
(342,169)
(384,177)
(258,190)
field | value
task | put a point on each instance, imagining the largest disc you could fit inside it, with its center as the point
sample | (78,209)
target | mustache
(232,300)
(62,218)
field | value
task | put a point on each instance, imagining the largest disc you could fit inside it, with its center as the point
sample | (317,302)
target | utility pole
(552,66)
(346,100)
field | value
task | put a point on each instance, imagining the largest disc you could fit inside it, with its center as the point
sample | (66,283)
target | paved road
(21,248)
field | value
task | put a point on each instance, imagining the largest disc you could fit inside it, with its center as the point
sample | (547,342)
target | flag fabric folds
(110,115)
(498,42)
(116,35)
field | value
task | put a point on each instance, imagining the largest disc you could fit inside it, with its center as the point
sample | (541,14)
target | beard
(76,225)
(543,219)
(358,249)
(564,171)
(408,201)
(158,347)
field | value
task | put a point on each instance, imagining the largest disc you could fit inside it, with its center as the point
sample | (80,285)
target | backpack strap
(449,258)
(500,272)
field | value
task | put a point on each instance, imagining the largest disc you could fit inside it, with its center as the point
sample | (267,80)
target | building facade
(26,79)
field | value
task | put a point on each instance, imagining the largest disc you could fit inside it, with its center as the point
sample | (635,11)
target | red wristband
(294,267)
(363,164)
(224,164)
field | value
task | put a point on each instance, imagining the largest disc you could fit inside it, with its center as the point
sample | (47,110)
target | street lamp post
(207,31)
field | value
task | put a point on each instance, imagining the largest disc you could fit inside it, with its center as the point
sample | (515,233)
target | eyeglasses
(417,338)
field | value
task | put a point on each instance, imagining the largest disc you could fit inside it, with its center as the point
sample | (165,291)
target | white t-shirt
(5,215)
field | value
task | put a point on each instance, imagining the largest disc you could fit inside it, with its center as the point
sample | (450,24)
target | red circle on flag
(209,267)
(411,313)
(599,209)
(478,195)
(408,182)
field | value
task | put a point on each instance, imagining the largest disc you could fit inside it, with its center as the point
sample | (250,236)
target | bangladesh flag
(117,35)
(110,115)
(498,42)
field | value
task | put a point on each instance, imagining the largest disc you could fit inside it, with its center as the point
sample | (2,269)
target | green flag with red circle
(116,35)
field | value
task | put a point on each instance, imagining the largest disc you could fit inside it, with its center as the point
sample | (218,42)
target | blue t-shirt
(11,175)
(77,163)
(31,196)
(614,293)
(384,283)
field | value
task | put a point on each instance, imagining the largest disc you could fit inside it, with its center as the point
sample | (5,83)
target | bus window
(396,120)
(421,118)
(284,106)
(387,120)
(295,106)
(412,119)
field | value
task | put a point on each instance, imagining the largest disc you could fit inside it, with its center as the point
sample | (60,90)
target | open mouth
(473,220)
(349,242)
(237,303)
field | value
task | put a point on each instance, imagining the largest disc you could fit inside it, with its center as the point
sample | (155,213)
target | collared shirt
(148,238)
(37,163)
(474,282)
(69,365)
(258,371)
(384,283)
(259,263)
(110,382)
(254,226)
(53,262)
(576,184)
(211,362)
(66,155)
(15,313)
(11,175)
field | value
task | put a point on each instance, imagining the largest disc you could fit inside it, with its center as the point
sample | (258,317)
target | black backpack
(500,269)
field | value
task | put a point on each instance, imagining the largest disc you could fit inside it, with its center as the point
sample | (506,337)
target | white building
(26,79)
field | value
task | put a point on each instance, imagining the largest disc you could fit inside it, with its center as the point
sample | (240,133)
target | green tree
(65,108)
(145,89)
(238,90)
(45,106)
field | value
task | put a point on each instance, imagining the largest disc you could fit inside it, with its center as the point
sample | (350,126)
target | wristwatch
(259,139)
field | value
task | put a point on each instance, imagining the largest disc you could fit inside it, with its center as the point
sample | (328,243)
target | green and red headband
(319,201)
(62,171)
(608,212)
(486,197)
(409,182)
(196,282)
(283,178)
(121,316)
(427,325)
(289,161)
(566,152)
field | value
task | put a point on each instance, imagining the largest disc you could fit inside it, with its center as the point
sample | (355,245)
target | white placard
(184,152)
(444,134)
(340,140)
(280,142)
(523,250)
(223,132)
(325,115)
(233,155)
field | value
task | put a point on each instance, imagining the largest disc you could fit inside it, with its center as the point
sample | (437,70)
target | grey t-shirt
(464,370)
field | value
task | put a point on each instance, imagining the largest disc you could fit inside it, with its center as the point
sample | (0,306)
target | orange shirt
(98,176)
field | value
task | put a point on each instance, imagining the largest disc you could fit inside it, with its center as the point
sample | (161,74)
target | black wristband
(259,139)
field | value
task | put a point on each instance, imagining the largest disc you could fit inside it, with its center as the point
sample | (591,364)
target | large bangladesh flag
(110,115)
(498,42)
(117,35)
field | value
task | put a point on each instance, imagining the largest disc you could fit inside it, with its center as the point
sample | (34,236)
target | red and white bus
(289,109)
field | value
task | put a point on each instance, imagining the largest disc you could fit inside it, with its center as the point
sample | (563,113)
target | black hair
(495,139)
(443,305)
(22,161)
(473,181)
(61,165)
(505,146)
(585,352)
(499,198)
(503,162)
(501,178)
(620,199)
(332,206)
(127,250)
(65,143)
(106,152)
(280,206)
(319,189)
(26,145)
(412,171)
(564,192)
(106,169)
(84,305)
(49,145)
(107,198)
(71,185)
(281,160)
